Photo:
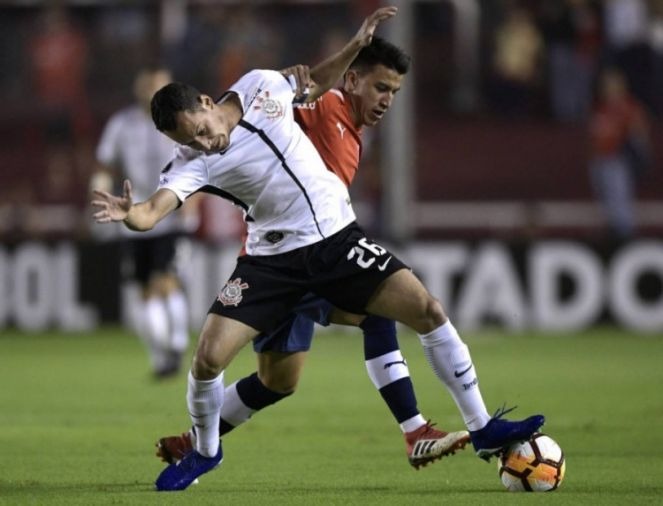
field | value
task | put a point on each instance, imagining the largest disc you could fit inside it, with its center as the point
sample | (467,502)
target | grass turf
(79,415)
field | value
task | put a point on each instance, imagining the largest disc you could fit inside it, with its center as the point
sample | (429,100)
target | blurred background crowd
(518,107)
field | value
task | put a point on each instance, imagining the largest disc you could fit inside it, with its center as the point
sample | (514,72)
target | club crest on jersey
(272,108)
(231,294)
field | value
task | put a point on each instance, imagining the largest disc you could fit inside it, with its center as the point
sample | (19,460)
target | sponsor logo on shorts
(231,294)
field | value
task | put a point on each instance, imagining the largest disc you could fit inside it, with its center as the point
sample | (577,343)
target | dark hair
(381,52)
(170,100)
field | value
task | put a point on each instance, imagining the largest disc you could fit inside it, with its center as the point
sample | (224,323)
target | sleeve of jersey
(253,83)
(185,174)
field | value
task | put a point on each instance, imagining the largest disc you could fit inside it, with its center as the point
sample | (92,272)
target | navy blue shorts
(296,332)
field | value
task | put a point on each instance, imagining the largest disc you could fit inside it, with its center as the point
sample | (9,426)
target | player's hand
(365,33)
(111,207)
(302,76)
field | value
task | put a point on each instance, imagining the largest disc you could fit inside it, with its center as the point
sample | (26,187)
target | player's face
(374,90)
(205,129)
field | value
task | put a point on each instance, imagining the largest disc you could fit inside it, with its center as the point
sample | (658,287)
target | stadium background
(482,185)
(473,169)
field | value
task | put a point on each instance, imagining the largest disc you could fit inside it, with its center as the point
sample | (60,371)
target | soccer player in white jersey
(334,123)
(302,238)
(131,148)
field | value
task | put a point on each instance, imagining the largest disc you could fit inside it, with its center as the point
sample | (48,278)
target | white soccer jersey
(270,169)
(131,144)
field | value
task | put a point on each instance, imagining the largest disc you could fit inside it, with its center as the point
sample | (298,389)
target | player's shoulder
(334,95)
(267,84)
(184,154)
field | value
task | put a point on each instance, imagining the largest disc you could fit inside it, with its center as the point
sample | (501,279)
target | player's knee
(205,364)
(203,368)
(432,315)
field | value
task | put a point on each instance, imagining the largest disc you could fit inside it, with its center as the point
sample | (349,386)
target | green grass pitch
(79,415)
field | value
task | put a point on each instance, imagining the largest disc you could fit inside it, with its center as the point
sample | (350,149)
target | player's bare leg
(403,297)
(280,372)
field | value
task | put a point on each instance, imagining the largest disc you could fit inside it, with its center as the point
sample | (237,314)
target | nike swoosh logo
(459,374)
(384,265)
(389,364)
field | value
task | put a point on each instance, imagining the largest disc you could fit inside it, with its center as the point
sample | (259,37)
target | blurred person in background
(130,147)
(626,27)
(619,135)
(58,55)
(516,62)
(571,29)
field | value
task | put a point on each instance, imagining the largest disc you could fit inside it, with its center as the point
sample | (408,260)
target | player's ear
(350,81)
(206,101)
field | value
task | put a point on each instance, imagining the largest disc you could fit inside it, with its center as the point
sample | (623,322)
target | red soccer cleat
(427,444)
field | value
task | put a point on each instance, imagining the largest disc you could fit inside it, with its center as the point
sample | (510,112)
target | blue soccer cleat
(180,475)
(499,434)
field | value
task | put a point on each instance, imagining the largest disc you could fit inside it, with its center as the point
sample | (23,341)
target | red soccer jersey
(328,123)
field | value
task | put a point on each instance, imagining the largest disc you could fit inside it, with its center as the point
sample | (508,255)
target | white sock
(234,411)
(179,320)
(387,368)
(450,359)
(412,424)
(204,399)
(154,331)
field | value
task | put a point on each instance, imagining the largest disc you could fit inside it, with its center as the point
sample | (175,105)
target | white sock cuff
(387,368)
(443,334)
(412,424)
(205,385)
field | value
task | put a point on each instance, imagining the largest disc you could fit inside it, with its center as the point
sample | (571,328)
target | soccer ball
(537,465)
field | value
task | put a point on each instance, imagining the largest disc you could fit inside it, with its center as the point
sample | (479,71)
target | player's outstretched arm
(142,216)
(327,73)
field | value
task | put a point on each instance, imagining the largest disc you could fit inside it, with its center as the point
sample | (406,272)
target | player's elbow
(138,227)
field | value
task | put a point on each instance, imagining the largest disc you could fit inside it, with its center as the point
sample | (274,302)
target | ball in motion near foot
(536,465)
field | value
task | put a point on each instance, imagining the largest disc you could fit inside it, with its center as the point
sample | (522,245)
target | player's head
(190,118)
(147,82)
(374,77)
